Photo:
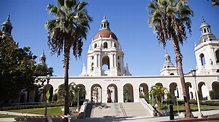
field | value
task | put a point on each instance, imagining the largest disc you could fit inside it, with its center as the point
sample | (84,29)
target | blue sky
(128,20)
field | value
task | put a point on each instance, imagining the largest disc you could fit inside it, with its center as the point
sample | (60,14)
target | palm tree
(170,19)
(67,31)
(158,93)
(73,90)
(215,2)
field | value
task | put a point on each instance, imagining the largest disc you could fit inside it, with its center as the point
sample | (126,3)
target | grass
(41,111)
(8,116)
(214,116)
(195,107)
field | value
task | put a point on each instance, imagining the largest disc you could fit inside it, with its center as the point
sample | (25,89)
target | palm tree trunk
(178,54)
(66,63)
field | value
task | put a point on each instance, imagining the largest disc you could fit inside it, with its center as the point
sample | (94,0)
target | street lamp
(78,99)
(46,88)
(196,92)
(152,95)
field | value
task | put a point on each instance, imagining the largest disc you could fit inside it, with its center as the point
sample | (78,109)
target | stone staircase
(117,110)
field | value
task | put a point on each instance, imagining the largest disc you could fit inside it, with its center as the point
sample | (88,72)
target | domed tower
(105,56)
(7,27)
(43,58)
(168,67)
(207,51)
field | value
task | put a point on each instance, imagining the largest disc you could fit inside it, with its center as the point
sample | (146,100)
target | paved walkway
(14,113)
(117,119)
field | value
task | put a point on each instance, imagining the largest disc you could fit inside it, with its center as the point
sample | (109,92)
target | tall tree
(67,32)
(16,68)
(43,70)
(215,2)
(170,19)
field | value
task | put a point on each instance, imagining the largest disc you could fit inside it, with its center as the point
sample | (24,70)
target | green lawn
(7,116)
(41,111)
(195,107)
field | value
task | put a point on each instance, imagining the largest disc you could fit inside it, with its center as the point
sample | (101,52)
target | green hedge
(29,106)
(210,103)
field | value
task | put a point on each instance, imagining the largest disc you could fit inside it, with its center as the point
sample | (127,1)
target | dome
(204,23)
(7,22)
(105,33)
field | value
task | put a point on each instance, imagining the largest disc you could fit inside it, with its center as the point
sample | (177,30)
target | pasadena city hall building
(106,78)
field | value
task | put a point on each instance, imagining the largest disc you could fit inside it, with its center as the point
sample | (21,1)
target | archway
(215,88)
(96,93)
(159,84)
(105,66)
(201,86)
(112,93)
(172,89)
(143,91)
(188,86)
(82,93)
(128,93)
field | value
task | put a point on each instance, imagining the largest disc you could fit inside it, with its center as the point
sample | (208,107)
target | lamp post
(196,92)
(78,99)
(46,88)
(152,95)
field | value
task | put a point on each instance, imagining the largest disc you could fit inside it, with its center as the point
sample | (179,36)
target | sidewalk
(122,119)
(14,113)
(19,114)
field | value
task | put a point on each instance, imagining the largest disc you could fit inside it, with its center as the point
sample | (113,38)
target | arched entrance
(82,93)
(188,86)
(215,89)
(172,89)
(201,87)
(96,93)
(143,91)
(128,93)
(159,84)
(112,93)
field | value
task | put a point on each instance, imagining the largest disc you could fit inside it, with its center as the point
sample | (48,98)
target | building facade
(106,78)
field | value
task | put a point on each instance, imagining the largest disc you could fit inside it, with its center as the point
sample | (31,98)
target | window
(92,66)
(95,45)
(202,57)
(217,55)
(105,45)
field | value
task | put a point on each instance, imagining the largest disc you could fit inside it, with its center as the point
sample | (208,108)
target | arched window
(202,57)
(115,45)
(119,67)
(217,55)
(105,63)
(105,45)
(95,45)
(92,66)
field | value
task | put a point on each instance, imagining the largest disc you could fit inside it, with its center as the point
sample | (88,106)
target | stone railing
(81,114)
(147,106)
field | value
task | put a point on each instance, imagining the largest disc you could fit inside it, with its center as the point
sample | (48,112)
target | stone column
(120,95)
(136,94)
(88,94)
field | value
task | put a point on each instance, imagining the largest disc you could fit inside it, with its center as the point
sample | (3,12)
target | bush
(29,106)
(212,94)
